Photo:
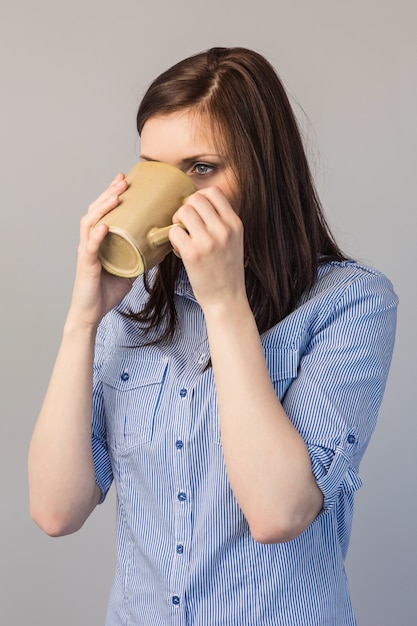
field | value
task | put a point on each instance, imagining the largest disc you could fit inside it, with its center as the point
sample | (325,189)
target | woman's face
(182,140)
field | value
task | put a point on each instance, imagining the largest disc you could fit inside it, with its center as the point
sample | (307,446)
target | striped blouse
(185,555)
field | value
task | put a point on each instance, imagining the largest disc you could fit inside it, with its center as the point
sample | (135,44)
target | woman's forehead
(183,134)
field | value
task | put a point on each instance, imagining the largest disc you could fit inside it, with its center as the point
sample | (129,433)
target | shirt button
(179,444)
(125,376)
(202,358)
(180,548)
(175,600)
(182,496)
(351,438)
(183,393)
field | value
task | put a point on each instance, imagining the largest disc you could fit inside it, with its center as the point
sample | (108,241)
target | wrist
(75,324)
(229,316)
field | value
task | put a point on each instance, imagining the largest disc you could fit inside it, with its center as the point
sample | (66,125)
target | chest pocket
(132,391)
(282,366)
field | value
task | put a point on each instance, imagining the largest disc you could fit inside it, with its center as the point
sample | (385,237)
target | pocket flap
(124,372)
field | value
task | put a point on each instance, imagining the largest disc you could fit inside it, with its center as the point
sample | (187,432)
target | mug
(138,239)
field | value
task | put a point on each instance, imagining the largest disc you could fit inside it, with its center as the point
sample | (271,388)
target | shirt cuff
(333,469)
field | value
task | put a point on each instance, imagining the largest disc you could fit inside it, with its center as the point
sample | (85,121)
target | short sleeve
(102,463)
(334,399)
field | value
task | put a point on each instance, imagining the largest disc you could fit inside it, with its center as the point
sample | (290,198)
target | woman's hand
(211,248)
(96,291)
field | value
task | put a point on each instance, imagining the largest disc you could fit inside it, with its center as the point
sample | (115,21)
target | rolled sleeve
(333,470)
(334,400)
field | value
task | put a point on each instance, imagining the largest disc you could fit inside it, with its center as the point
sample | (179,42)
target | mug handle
(159,236)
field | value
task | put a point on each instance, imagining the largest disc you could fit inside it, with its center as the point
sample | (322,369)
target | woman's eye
(202,169)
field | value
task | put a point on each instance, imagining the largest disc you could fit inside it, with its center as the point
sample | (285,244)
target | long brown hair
(238,93)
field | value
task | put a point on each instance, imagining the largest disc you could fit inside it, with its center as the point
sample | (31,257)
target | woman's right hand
(96,291)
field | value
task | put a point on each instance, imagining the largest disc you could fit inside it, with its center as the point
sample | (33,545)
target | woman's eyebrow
(187,160)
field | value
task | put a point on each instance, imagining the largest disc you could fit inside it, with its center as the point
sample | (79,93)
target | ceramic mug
(138,237)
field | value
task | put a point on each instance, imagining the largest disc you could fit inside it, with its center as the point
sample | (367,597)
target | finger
(93,215)
(224,209)
(177,240)
(212,205)
(200,217)
(120,176)
(93,242)
(218,200)
(203,218)
(116,187)
(198,240)
(191,216)
(107,201)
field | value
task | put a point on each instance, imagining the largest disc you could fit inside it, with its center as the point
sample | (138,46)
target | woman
(235,387)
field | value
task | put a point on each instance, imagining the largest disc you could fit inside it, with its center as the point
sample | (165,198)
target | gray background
(71,77)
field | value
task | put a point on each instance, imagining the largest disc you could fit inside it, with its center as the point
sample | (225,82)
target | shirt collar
(183,285)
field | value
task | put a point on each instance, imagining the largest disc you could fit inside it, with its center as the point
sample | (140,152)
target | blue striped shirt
(185,555)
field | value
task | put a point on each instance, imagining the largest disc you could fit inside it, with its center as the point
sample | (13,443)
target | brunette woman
(233,389)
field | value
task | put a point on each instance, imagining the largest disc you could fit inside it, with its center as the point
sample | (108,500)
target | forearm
(266,459)
(62,484)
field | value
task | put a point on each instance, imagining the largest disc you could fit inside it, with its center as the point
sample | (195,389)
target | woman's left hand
(211,248)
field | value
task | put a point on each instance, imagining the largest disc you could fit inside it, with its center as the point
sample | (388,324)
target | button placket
(181,481)
(182,486)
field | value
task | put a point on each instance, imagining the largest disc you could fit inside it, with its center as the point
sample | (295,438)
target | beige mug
(138,237)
